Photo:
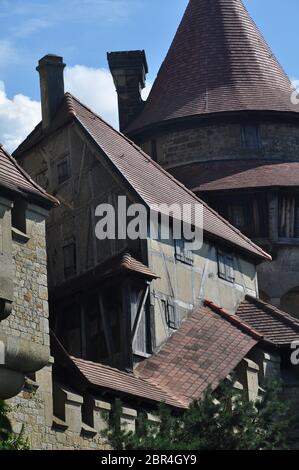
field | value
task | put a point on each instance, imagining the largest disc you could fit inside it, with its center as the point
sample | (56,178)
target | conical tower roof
(218,62)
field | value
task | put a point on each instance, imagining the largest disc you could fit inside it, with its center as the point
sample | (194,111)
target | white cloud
(29,27)
(18,117)
(94,87)
(7,52)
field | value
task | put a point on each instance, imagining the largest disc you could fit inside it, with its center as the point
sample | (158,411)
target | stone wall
(222,141)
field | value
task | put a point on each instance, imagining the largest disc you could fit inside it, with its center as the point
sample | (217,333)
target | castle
(147,320)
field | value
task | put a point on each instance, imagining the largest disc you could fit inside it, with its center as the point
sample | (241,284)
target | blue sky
(84,30)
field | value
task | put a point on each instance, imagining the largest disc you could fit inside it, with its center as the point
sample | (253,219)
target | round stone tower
(223,118)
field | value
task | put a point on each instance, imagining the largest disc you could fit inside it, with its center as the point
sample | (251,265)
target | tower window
(250,137)
(69,258)
(63,170)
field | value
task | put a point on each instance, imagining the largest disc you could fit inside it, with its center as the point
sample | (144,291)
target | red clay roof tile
(203,352)
(13,177)
(274,324)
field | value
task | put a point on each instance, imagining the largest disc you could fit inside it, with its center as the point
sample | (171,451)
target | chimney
(50,69)
(129,71)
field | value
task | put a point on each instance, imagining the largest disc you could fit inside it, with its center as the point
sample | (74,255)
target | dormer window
(250,137)
(63,170)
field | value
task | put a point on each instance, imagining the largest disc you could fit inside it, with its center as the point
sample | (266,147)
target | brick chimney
(129,71)
(50,69)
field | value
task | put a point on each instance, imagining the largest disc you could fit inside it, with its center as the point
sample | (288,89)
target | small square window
(69,258)
(250,137)
(63,170)
(226,266)
(181,253)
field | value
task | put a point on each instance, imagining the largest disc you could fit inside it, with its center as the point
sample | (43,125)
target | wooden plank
(139,313)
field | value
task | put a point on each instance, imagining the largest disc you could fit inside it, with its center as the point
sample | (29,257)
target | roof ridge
(166,173)
(268,308)
(235,320)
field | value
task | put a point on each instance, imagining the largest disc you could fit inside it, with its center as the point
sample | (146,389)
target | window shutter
(181,254)
(172,316)
(221,265)
(226,266)
(230,274)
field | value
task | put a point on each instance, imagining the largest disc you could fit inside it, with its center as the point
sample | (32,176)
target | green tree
(222,421)
(8,439)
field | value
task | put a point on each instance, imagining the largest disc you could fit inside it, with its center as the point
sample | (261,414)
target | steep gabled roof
(275,325)
(208,347)
(14,178)
(217,62)
(148,179)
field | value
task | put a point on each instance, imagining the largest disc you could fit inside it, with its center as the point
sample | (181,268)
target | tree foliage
(226,421)
(8,439)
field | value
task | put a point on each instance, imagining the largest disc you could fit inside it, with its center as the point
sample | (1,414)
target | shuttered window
(181,254)
(171,314)
(226,266)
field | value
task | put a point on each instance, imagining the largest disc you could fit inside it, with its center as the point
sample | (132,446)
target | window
(171,314)
(63,170)
(181,253)
(226,266)
(69,257)
(250,137)
(18,215)
(140,345)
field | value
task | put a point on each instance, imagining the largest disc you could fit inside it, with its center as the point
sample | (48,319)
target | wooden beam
(139,313)
(78,189)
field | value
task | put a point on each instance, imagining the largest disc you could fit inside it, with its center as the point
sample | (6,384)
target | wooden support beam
(78,189)
(139,313)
